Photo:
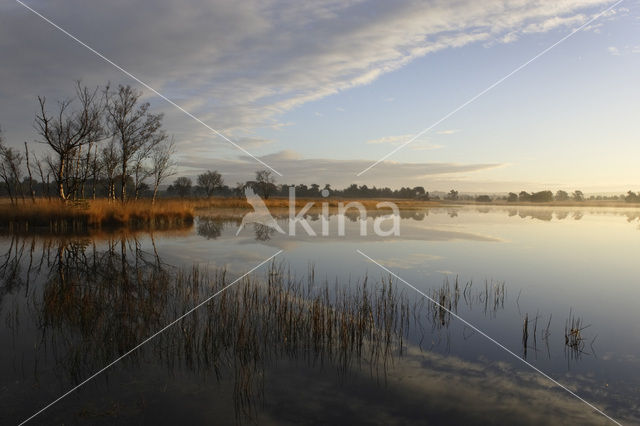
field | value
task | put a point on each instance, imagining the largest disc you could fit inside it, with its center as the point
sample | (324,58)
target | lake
(321,334)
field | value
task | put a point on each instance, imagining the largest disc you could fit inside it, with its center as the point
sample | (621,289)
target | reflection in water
(210,227)
(263,232)
(97,302)
(91,301)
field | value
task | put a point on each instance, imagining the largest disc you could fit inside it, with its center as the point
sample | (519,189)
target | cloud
(555,22)
(448,132)
(251,143)
(299,169)
(416,145)
(613,50)
(239,66)
(394,140)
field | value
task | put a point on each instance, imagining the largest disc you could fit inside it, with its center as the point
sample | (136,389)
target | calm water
(546,265)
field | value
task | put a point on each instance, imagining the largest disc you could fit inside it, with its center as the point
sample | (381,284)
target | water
(540,263)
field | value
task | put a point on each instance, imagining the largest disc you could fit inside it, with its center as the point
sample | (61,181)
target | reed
(525,335)
(573,337)
(56,216)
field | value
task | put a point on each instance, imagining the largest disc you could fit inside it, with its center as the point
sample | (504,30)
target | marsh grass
(59,217)
(574,339)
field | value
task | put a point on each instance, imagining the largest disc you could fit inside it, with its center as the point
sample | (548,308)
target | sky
(320,90)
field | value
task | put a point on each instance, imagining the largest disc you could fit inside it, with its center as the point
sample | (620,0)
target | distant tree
(632,197)
(562,195)
(210,181)
(182,186)
(578,196)
(512,197)
(524,196)
(483,199)
(542,197)
(452,195)
(265,183)
(11,169)
(302,190)
(239,189)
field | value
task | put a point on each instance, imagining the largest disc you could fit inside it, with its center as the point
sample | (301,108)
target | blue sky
(320,90)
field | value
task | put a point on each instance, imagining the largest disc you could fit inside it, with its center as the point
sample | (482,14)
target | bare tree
(10,170)
(210,181)
(141,168)
(265,182)
(96,168)
(44,182)
(110,167)
(31,190)
(162,165)
(133,126)
(68,130)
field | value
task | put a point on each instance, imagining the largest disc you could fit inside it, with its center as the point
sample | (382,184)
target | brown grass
(57,216)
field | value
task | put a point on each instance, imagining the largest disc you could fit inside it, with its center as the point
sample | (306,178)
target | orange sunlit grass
(56,215)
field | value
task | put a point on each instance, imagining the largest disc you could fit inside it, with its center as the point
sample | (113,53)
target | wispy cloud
(393,140)
(300,169)
(417,145)
(241,65)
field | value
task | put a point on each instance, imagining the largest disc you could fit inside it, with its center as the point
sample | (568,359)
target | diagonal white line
(172,323)
(500,345)
(398,148)
(147,86)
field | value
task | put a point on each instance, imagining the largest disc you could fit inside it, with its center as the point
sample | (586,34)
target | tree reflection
(97,301)
(92,301)
(210,227)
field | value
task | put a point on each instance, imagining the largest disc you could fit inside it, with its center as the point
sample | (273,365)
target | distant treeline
(545,197)
(211,183)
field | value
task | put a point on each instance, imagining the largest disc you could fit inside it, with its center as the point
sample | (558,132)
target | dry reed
(56,216)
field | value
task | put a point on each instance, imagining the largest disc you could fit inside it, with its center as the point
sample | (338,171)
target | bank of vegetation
(56,216)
